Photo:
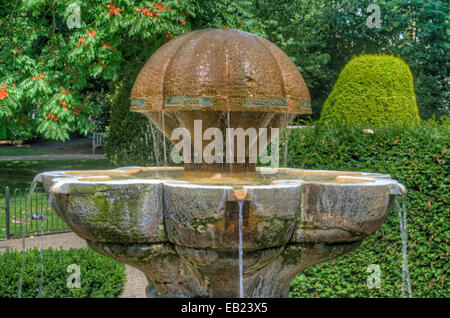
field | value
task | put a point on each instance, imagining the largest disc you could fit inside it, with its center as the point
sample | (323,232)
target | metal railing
(20,222)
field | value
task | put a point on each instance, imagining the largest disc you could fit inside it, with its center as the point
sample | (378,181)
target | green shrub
(100,276)
(418,157)
(372,91)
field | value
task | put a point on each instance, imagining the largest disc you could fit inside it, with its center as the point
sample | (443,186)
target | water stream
(286,151)
(241,261)
(401,212)
(164,140)
(41,241)
(228,125)
(24,230)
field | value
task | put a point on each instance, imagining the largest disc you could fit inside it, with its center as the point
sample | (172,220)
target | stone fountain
(220,229)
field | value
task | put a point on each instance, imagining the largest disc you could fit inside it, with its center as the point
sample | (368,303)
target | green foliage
(418,157)
(297,27)
(50,74)
(100,276)
(371,91)
(322,36)
(131,139)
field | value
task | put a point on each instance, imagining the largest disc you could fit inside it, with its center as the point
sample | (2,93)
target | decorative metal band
(188,101)
(306,104)
(138,102)
(265,102)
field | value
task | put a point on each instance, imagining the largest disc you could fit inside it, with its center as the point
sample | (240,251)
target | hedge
(100,276)
(418,157)
(372,91)
(129,138)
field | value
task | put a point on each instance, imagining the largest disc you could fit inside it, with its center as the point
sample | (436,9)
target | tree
(49,71)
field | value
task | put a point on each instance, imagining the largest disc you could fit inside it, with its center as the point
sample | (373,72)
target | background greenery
(100,275)
(59,80)
(418,157)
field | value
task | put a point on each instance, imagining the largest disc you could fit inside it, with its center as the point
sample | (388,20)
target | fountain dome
(225,78)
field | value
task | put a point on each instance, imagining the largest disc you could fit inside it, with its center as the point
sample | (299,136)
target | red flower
(107,46)
(3,93)
(52,116)
(183,22)
(113,9)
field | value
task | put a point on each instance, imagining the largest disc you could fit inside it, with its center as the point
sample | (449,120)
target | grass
(22,151)
(19,174)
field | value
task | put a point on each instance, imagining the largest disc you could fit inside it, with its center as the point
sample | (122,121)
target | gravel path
(136,281)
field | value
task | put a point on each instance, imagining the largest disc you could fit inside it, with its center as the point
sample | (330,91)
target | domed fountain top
(220,69)
(225,79)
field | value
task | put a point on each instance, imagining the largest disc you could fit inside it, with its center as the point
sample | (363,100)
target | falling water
(229,126)
(164,141)
(286,141)
(41,252)
(27,208)
(241,261)
(401,212)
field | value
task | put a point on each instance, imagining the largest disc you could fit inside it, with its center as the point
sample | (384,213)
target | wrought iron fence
(20,222)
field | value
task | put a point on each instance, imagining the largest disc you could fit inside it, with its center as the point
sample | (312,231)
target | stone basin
(182,232)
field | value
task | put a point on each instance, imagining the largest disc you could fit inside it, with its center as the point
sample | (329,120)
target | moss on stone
(275,232)
(196,222)
(291,254)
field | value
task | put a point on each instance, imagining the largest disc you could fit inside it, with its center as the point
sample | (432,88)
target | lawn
(22,151)
(19,174)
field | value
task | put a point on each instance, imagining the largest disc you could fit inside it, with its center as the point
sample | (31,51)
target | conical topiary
(372,90)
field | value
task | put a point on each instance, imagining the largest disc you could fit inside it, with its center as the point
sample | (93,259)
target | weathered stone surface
(207,217)
(175,271)
(131,213)
(164,268)
(273,280)
(185,237)
(341,212)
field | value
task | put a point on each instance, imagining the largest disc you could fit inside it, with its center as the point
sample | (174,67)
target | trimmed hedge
(372,91)
(100,276)
(418,157)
